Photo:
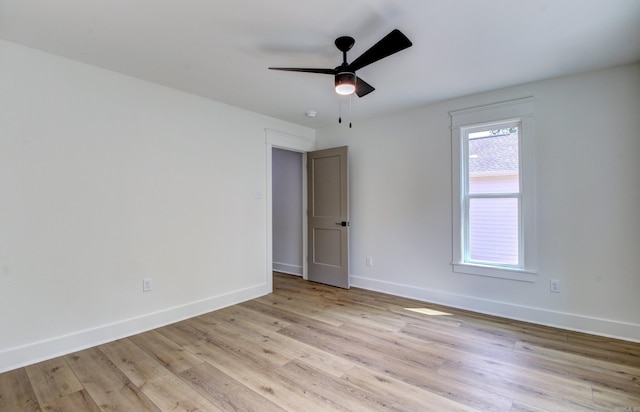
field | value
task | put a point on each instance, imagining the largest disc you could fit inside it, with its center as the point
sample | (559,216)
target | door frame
(293,143)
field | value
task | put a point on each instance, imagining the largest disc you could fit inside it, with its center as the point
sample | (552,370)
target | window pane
(493,230)
(493,161)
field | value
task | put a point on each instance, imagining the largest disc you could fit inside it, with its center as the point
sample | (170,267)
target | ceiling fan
(346,81)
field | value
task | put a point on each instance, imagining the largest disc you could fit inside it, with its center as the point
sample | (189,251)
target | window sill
(495,272)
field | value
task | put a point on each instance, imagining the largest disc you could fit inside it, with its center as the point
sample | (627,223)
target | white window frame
(467,197)
(520,112)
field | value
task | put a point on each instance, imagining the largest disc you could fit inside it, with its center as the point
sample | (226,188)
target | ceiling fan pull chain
(339,110)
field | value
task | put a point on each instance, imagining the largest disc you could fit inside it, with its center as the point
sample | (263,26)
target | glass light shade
(345,83)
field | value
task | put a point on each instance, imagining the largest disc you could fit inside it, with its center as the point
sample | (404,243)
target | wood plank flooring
(310,347)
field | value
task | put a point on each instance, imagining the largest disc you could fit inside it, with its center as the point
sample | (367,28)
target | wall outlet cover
(147,285)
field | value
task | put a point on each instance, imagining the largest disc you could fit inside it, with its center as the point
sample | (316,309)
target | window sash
(467,250)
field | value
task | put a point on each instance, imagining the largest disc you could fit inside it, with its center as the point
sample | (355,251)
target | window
(493,187)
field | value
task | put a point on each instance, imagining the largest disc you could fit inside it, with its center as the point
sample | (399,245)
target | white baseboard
(569,321)
(287,268)
(31,353)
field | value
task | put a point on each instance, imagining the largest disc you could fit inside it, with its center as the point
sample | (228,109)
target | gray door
(328,216)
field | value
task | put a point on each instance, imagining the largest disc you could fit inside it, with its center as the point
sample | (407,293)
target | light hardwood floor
(310,347)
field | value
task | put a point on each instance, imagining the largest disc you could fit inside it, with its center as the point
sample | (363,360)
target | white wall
(588,197)
(106,180)
(287,211)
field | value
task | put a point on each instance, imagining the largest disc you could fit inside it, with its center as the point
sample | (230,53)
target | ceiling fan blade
(303,70)
(363,88)
(390,44)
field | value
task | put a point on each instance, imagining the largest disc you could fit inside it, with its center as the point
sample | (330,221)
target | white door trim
(286,141)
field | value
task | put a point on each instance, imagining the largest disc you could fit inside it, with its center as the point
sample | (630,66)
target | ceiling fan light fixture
(345,83)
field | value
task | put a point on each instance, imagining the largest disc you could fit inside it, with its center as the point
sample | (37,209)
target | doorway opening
(292,143)
(287,211)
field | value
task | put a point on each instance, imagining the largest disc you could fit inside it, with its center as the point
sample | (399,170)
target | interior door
(328,216)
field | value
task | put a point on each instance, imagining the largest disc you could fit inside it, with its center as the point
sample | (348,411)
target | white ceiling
(221,49)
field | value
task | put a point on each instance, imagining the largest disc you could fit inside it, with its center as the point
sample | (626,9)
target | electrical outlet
(554,285)
(147,285)
(369,261)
